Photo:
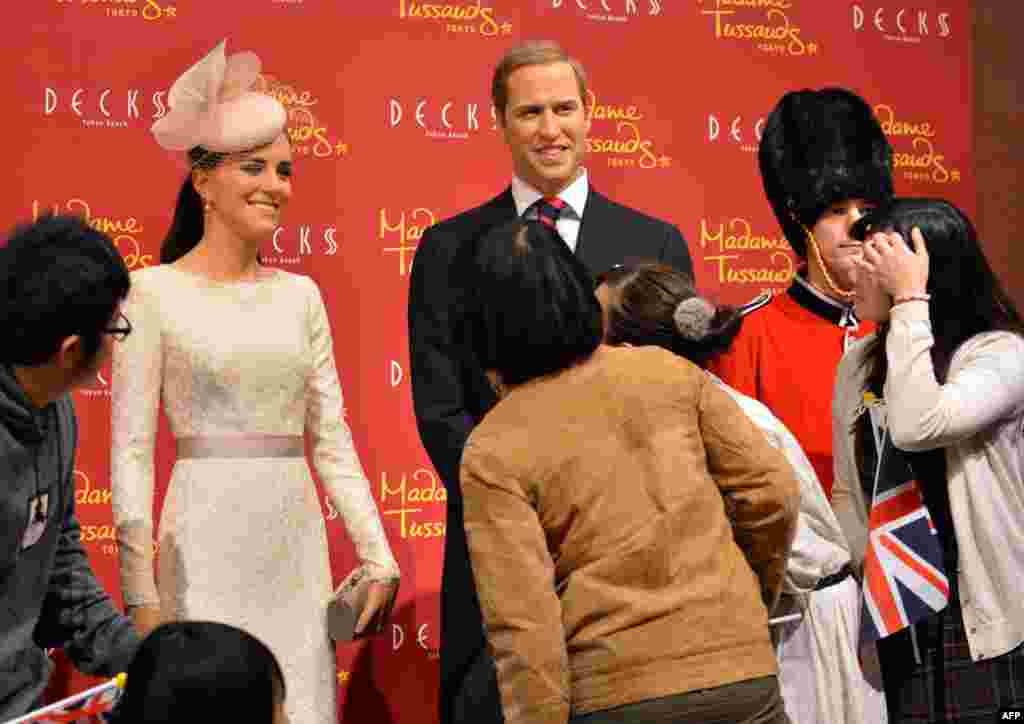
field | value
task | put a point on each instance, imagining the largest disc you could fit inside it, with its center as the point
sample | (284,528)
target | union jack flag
(87,707)
(904,576)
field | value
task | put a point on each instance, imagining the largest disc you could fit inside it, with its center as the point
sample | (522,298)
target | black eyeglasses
(121,331)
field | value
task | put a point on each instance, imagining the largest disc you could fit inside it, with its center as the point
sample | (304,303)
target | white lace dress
(242,537)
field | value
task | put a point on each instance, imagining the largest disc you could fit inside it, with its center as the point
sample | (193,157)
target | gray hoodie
(49,595)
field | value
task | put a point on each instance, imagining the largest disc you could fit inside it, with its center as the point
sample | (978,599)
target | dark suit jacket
(451,395)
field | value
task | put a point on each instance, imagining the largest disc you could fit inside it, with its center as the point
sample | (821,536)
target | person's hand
(900,271)
(380,596)
(145,618)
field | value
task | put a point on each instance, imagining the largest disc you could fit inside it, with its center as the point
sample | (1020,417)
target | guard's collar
(823,306)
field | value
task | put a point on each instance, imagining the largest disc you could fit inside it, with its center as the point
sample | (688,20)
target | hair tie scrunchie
(693,318)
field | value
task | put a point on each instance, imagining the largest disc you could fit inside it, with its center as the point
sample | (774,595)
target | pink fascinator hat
(211,106)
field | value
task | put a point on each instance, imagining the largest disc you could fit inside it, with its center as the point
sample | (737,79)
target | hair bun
(693,318)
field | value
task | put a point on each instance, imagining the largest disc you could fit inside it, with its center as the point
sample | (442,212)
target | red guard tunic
(785,355)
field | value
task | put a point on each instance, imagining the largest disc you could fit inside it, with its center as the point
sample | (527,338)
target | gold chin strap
(833,288)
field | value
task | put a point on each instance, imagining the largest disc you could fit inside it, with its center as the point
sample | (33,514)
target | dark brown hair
(966,296)
(532,52)
(642,311)
(187,225)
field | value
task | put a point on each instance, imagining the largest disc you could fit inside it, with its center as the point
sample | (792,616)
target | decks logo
(901,24)
(441,118)
(467,18)
(293,243)
(99,387)
(768,25)
(612,11)
(105,107)
(422,638)
(739,131)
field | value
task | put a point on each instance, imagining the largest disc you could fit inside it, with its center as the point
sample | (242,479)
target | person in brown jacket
(628,526)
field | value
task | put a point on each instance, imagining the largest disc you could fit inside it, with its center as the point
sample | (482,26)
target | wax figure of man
(824,160)
(539,95)
(61,287)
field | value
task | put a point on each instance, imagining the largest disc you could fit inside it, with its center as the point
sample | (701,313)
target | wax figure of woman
(201,671)
(947,368)
(242,357)
(821,680)
(614,584)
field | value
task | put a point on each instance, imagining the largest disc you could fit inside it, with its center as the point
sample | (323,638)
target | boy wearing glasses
(61,287)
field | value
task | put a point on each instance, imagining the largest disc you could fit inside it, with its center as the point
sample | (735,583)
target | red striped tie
(549,210)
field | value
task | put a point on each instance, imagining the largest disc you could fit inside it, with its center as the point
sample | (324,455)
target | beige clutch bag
(347,606)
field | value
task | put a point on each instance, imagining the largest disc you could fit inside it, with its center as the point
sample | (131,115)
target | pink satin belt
(241,446)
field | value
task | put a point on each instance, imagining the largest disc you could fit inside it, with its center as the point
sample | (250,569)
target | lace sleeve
(334,453)
(135,386)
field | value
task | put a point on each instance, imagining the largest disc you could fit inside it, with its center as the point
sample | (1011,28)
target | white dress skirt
(244,370)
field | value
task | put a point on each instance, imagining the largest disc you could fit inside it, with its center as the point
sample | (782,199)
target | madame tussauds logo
(146,9)
(905,25)
(745,257)
(471,18)
(915,154)
(87,495)
(418,500)
(123,230)
(402,232)
(612,10)
(104,107)
(764,23)
(445,119)
(309,133)
(616,132)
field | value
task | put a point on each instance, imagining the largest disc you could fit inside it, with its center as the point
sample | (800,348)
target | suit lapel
(595,245)
(500,209)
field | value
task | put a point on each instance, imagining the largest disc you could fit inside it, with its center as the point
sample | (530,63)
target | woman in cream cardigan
(947,368)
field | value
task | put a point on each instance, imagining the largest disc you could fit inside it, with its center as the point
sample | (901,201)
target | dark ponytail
(655,304)
(187,225)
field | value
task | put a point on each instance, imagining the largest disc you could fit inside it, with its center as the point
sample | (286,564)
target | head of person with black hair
(202,670)
(654,304)
(62,284)
(529,305)
(932,253)
(596,464)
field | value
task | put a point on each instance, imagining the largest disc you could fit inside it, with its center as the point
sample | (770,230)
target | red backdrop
(393,129)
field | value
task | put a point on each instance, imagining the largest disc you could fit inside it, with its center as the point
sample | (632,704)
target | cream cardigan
(977,416)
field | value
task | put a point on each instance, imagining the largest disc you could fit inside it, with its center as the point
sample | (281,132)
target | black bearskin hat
(818,148)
